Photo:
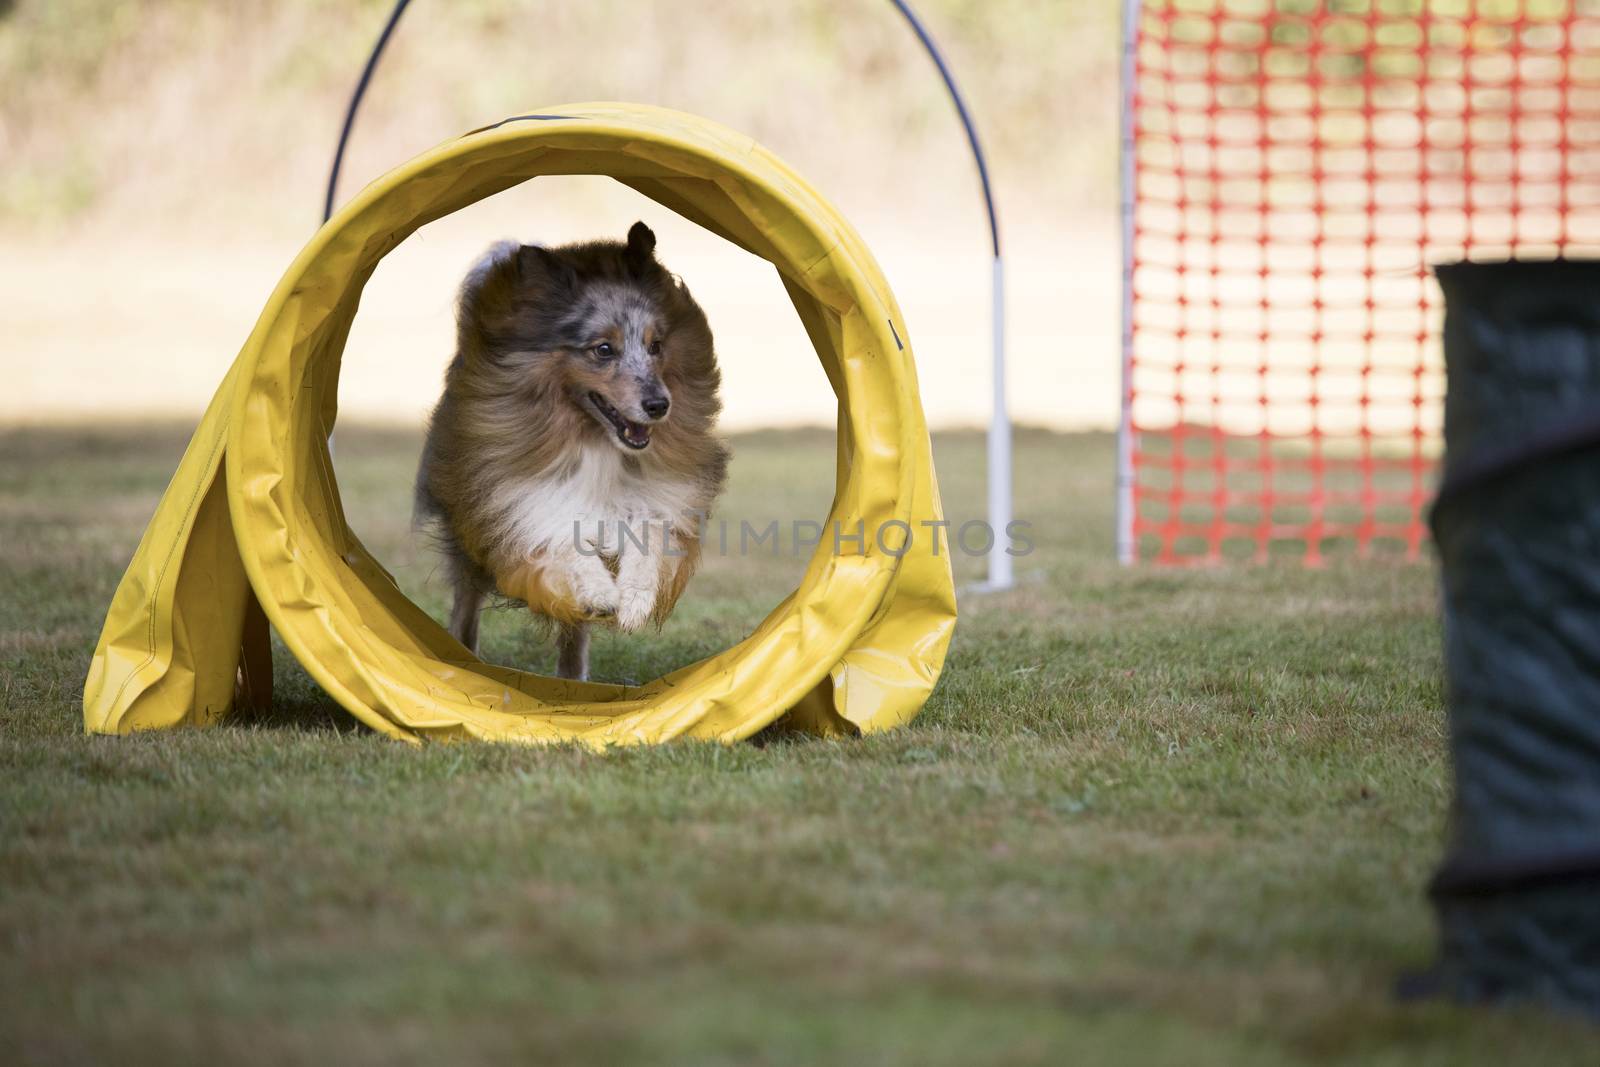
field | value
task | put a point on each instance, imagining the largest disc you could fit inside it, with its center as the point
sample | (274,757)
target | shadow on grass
(299,704)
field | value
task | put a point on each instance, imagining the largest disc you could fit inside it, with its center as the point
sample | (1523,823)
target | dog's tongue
(635,435)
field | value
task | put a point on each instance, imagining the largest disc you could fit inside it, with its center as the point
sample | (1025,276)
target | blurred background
(164,160)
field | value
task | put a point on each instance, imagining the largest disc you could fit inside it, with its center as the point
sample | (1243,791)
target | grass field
(1148,817)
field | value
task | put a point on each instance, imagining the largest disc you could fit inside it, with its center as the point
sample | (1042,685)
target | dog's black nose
(656,406)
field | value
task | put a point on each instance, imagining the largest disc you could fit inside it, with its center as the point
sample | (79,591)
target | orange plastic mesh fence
(1295,168)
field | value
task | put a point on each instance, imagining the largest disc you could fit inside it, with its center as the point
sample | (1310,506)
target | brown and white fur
(578,420)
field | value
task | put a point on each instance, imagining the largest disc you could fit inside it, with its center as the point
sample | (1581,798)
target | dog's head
(600,326)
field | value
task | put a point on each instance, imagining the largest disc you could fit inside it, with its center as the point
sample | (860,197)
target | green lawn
(1148,817)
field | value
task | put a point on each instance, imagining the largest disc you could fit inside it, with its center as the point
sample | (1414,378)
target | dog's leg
(464,615)
(572,647)
(591,584)
(562,583)
(639,572)
(467,582)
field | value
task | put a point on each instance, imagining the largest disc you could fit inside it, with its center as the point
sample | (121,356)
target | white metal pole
(1000,574)
(1000,571)
(1127,550)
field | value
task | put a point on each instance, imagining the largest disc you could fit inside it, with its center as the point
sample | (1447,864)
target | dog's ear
(538,263)
(641,247)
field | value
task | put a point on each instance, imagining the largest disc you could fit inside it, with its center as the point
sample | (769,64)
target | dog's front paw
(596,599)
(634,608)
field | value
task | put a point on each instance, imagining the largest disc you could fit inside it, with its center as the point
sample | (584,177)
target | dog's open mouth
(629,433)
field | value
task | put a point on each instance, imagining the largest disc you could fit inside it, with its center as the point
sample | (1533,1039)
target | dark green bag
(1517,525)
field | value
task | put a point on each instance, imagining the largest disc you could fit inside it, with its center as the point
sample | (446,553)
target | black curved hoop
(355,103)
(900,5)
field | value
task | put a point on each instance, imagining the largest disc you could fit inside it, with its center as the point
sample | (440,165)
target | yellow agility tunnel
(251,529)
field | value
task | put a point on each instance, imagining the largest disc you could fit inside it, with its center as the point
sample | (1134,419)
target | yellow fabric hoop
(253,514)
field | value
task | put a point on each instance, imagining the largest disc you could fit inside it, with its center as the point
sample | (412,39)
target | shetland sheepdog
(573,457)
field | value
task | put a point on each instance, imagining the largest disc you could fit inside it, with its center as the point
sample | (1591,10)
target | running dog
(573,458)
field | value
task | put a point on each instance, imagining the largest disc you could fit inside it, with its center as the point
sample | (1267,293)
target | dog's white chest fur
(589,502)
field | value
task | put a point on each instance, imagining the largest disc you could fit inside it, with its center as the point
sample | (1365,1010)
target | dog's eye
(603,350)
(655,348)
